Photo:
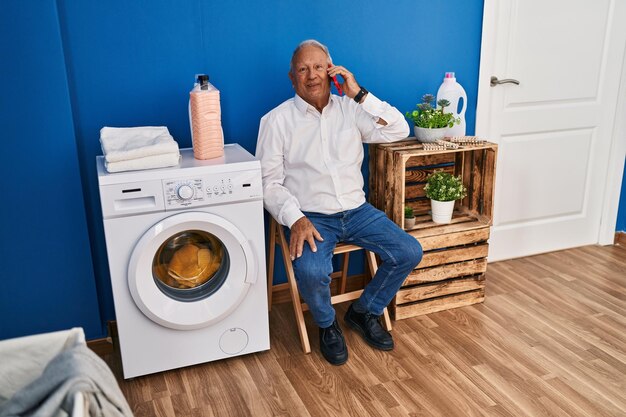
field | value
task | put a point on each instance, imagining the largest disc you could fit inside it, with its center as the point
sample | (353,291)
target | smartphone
(337,85)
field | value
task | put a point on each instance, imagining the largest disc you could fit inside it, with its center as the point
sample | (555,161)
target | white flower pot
(409,223)
(442,211)
(429,135)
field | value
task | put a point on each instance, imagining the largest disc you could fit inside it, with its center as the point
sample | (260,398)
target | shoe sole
(360,331)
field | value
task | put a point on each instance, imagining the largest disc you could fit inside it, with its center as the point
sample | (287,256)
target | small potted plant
(409,218)
(443,189)
(431,124)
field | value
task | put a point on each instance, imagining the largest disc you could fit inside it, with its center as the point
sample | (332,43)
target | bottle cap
(203,81)
(449,75)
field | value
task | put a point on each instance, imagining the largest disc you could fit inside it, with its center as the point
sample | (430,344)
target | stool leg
(344,272)
(295,294)
(270,264)
(386,320)
(373,265)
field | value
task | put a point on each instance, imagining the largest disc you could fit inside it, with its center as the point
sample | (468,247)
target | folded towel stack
(135,148)
(206,122)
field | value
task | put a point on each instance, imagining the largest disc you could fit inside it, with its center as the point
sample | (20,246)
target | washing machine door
(190,270)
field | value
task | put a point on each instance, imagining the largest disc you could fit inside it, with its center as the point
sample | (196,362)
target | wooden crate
(452,272)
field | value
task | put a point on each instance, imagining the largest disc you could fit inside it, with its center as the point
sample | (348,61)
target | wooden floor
(550,340)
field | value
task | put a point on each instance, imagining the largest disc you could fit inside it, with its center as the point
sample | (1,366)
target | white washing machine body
(161,327)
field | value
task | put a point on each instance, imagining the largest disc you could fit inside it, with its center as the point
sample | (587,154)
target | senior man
(311,151)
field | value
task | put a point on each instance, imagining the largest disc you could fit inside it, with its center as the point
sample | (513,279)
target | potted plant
(443,189)
(409,218)
(431,124)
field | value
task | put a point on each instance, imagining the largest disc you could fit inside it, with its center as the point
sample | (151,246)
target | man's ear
(290,74)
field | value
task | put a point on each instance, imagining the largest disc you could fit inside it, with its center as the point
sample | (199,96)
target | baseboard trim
(620,238)
(102,346)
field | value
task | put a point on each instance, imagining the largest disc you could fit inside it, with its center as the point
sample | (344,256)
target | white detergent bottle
(453,92)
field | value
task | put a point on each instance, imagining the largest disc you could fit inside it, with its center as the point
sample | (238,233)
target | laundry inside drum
(188,260)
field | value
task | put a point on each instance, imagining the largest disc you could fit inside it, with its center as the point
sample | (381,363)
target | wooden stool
(277,237)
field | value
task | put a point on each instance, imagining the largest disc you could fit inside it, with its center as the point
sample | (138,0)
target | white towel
(147,162)
(129,143)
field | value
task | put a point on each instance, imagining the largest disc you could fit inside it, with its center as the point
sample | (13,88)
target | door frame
(615,168)
(617,156)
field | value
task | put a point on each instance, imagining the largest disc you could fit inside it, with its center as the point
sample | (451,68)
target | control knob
(185,192)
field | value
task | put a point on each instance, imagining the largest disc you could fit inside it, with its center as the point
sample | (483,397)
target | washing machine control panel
(183,192)
(210,189)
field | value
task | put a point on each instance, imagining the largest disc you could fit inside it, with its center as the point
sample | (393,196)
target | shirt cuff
(373,105)
(290,216)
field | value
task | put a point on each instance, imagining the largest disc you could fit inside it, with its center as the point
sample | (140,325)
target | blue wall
(46,278)
(121,63)
(133,64)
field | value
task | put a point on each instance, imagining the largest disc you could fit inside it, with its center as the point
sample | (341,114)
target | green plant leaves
(443,186)
(432,118)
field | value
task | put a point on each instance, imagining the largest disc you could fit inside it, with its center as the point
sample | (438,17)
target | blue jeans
(370,229)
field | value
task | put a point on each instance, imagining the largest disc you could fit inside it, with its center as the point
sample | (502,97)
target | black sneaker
(333,345)
(368,325)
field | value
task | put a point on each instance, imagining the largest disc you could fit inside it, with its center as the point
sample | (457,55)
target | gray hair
(309,42)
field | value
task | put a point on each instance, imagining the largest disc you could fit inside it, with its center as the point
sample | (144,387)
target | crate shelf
(452,271)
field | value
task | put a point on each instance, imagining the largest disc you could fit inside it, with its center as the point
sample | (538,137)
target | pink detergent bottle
(205,118)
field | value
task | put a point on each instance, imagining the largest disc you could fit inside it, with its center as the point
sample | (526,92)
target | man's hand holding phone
(334,78)
(349,86)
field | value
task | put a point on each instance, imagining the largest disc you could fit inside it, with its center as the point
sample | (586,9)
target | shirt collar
(302,105)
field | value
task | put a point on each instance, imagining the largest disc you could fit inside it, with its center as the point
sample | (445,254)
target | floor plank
(549,340)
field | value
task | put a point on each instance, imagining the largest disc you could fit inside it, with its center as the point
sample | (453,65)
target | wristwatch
(360,94)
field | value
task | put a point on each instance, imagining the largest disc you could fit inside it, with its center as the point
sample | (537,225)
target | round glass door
(191,265)
(190,270)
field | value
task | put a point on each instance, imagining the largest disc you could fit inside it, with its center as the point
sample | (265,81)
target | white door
(556,128)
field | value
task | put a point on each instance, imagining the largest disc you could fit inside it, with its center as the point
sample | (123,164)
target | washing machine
(186,255)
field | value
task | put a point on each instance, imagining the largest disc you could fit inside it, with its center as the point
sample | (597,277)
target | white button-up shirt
(311,161)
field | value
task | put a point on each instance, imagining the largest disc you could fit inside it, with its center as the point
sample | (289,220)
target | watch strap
(360,94)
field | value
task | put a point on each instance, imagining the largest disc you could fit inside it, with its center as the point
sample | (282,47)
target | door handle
(495,81)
